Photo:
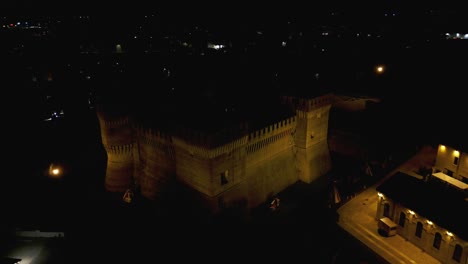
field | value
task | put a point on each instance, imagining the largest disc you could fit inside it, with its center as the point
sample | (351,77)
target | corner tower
(117,139)
(311,136)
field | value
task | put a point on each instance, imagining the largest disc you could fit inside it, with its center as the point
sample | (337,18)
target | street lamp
(55,171)
(380,69)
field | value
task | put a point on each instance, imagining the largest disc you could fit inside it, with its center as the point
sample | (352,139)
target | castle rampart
(230,167)
(155,162)
(117,139)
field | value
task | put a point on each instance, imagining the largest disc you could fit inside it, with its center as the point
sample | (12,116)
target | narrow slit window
(419,228)
(402,219)
(224,177)
(437,240)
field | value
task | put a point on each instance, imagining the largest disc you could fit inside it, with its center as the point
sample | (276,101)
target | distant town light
(429,222)
(118,48)
(442,147)
(449,233)
(456,153)
(411,212)
(215,46)
(380,195)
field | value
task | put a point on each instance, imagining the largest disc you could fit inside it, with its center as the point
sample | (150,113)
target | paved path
(357,217)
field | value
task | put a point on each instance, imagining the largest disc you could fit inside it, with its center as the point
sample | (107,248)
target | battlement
(119,150)
(273,129)
(152,134)
(114,122)
(213,140)
(266,136)
(307,104)
(208,153)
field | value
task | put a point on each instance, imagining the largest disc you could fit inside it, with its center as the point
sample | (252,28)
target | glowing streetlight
(380,69)
(55,170)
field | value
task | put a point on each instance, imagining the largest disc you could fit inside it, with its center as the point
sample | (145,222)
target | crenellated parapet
(211,140)
(153,133)
(118,141)
(116,122)
(273,129)
(270,134)
(120,150)
(210,153)
(116,129)
(154,140)
(154,161)
(308,104)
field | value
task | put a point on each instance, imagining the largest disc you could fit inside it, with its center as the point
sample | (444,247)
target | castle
(238,165)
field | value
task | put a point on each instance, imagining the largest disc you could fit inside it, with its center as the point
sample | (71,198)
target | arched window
(386,210)
(437,240)
(457,253)
(419,229)
(402,219)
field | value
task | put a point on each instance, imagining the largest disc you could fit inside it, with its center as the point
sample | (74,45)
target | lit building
(452,162)
(431,214)
(240,164)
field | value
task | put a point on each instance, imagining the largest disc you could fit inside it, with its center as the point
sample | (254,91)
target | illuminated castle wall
(247,169)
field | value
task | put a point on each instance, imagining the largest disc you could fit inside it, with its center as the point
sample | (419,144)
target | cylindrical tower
(117,139)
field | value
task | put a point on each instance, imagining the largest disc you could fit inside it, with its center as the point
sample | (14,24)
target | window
(437,240)
(455,160)
(419,228)
(386,210)
(224,177)
(457,253)
(402,219)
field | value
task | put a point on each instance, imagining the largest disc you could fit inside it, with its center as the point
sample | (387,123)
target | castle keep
(240,164)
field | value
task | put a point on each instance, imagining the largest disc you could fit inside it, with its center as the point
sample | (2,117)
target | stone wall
(234,167)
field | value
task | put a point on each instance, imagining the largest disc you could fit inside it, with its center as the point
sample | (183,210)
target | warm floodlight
(380,69)
(54,170)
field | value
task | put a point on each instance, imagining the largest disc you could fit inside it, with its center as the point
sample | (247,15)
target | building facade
(430,214)
(452,162)
(248,168)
